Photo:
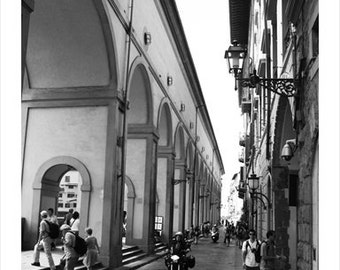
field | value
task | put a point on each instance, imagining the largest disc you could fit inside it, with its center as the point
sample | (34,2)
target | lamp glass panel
(253,183)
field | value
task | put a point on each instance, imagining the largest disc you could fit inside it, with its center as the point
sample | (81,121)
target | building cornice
(171,13)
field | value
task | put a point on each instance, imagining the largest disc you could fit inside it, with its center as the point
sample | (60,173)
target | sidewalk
(27,259)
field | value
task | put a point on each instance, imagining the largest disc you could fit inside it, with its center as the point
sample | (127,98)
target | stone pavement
(27,259)
(209,256)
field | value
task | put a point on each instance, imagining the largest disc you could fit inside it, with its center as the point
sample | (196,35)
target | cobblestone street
(209,256)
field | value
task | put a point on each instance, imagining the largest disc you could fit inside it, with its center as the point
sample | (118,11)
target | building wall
(290,118)
(76,74)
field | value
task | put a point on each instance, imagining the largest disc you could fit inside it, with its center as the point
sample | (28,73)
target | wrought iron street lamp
(235,56)
(254,183)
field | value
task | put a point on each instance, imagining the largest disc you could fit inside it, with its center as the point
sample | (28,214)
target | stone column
(166,189)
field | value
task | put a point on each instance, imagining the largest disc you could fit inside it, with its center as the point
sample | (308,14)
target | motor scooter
(180,261)
(215,236)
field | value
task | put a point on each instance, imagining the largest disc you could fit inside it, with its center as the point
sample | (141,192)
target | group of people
(69,231)
(258,255)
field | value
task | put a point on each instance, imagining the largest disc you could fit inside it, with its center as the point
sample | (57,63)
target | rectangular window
(71,186)
(293,189)
(67,205)
(60,195)
(67,178)
(70,195)
(74,205)
(60,205)
(315,38)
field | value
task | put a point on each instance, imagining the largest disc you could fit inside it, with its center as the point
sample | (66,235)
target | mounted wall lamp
(288,150)
(170,80)
(182,109)
(207,194)
(216,202)
(235,56)
(188,176)
(254,183)
(147,38)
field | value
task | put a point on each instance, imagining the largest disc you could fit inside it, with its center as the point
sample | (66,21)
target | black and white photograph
(169,134)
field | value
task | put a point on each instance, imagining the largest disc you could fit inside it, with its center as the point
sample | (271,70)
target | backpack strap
(75,237)
(247,245)
(48,226)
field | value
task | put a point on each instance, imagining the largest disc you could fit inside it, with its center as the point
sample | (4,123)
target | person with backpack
(249,249)
(70,257)
(68,217)
(74,223)
(44,241)
(268,252)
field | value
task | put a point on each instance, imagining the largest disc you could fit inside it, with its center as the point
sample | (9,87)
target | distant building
(69,193)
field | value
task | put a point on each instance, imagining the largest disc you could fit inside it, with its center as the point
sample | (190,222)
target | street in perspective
(136,154)
(209,255)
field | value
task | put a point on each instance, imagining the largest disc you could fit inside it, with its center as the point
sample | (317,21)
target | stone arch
(180,173)
(190,155)
(283,129)
(131,195)
(164,124)
(46,182)
(179,142)
(83,49)
(140,95)
(141,153)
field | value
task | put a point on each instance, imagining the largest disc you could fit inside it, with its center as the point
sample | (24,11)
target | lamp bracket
(280,86)
(261,194)
(177,181)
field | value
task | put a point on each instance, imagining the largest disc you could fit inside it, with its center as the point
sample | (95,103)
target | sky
(206,27)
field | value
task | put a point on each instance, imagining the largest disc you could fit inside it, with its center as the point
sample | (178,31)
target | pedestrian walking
(70,257)
(91,256)
(268,253)
(197,233)
(68,217)
(53,219)
(51,216)
(74,223)
(227,233)
(44,241)
(249,248)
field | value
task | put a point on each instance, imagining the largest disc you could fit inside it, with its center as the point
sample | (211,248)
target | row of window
(67,205)
(68,186)
(69,195)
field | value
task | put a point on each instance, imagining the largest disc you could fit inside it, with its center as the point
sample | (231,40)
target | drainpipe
(194,171)
(121,177)
(268,75)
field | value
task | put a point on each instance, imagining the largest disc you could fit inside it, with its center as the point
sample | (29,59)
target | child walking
(91,256)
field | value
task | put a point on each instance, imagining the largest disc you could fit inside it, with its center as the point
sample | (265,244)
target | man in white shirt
(248,252)
(44,240)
